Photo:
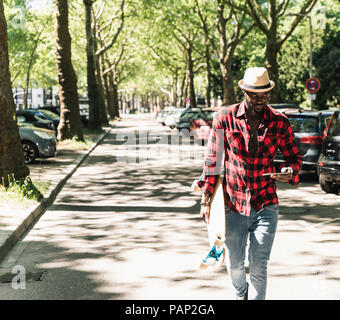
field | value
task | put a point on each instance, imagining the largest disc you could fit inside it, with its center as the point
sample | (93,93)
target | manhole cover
(29,276)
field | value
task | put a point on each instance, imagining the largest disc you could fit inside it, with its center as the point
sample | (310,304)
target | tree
(267,16)
(102,45)
(92,84)
(111,81)
(157,55)
(294,57)
(167,57)
(11,154)
(70,123)
(328,57)
(189,36)
(30,42)
(182,43)
(228,39)
(29,67)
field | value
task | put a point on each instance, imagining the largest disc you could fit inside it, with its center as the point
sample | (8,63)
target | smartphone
(276,174)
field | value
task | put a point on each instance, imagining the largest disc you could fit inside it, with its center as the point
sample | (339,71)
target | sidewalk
(14,222)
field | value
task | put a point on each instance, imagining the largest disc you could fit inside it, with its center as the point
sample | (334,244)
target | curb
(37,211)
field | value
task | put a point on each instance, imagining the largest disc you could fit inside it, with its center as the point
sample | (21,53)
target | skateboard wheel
(219,240)
(203,266)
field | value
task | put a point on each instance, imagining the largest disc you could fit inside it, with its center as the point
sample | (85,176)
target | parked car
(173,117)
(83,110)
(49,115)
(201,102)
(37,142)
(36,118)
(54,109)
(161,117)
(329,160)
(286,107)
(162,114)
(308,129)
(201,126)
(184,122)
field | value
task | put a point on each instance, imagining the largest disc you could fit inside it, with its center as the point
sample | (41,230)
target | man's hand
(288,173)
(205,213)
(195,187)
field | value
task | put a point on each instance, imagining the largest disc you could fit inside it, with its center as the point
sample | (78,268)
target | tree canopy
(174,49)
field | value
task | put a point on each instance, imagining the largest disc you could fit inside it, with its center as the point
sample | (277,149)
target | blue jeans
(260,227)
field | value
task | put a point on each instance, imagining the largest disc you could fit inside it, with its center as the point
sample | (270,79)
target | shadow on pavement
(132,231)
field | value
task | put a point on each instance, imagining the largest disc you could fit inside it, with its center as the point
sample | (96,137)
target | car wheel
(30,151)
(328,187)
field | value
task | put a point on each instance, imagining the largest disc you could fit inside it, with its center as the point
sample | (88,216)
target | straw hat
(256,80)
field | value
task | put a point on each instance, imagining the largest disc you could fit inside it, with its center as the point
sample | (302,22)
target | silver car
(37,142)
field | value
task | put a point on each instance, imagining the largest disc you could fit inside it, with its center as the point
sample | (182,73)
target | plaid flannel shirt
(243,183)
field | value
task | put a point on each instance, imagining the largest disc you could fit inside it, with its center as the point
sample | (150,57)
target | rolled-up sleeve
(214,156)
(290,152)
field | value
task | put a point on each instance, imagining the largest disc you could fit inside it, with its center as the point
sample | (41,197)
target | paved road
(126,226)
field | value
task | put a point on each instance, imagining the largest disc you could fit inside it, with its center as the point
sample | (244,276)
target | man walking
(246,137)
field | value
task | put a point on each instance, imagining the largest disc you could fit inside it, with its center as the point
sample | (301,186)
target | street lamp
(310,44)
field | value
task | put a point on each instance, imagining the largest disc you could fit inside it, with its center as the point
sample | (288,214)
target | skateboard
(215,227)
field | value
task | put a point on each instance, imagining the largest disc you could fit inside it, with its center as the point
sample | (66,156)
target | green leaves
(156,33)
(24,25)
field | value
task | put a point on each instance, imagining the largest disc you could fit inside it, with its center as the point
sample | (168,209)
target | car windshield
(84,107)
(40,116)
(304,124)
(190,115)
(49,114)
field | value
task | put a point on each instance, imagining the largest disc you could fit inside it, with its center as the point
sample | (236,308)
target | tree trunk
(115,100)
(70,125)
(12,162)
(273,70)
(190,70)
(182,101)
(108,94)
(92,85)
(174,88)
(25,106)
(106,86)
(30,64)
(101,99)
(208,76)
(185,91)
(114,92)
(227,81)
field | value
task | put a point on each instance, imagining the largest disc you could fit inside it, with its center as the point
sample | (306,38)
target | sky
(39,4)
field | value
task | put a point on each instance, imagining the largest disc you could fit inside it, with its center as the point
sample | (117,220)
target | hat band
(249,86)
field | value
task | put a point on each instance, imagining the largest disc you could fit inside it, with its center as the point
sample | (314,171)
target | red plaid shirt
(243,183)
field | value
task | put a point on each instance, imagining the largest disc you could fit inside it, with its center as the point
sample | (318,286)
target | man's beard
(257,108)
